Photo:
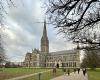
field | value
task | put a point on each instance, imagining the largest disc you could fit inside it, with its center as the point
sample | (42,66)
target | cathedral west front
(44,58)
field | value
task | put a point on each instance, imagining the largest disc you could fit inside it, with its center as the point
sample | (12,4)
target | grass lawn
(94,75)
(6,73)
(46,76)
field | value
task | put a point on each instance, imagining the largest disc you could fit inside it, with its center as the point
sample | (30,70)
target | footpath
(72,76)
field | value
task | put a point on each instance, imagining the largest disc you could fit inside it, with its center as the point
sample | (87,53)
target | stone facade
(44,58)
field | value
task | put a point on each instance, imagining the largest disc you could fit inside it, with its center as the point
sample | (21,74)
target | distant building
(44,58)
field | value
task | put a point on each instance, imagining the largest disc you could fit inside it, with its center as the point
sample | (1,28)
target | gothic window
(34,57)
(75,56)
(67,64)
(47,65)
(75,64)
(70,64)
(64,58)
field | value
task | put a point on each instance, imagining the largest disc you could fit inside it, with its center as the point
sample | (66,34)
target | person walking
(84,71)
(57,65)
(78,70)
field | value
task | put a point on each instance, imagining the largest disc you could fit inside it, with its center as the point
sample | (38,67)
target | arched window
(66,64)
(75,64)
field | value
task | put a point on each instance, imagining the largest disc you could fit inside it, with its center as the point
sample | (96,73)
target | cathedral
(44,58)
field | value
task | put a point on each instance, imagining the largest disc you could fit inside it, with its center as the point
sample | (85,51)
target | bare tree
(2,51)
(3,5)
(77,18)
(91,59)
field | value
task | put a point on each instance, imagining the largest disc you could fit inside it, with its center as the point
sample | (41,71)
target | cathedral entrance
(58,64)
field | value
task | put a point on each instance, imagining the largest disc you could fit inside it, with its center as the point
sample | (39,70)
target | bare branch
(76,19)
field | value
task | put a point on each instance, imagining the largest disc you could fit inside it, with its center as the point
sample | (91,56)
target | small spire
(44,31)
(32,50)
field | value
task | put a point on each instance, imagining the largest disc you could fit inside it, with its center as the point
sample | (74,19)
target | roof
(28,54)
(63,52)
(36,51)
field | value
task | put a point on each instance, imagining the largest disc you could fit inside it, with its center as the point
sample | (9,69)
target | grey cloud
(24,33)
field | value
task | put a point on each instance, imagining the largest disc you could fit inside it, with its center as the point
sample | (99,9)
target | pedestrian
(84,71)
(74,70)
(78,70)
(57,65)
(68,71)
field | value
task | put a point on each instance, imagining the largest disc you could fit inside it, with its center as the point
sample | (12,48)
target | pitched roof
(63,52)
(28,54)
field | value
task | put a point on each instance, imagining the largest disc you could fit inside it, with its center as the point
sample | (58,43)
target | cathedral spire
(44,40)
(44,30)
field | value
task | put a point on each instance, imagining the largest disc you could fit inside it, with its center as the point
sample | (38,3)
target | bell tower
(44,40)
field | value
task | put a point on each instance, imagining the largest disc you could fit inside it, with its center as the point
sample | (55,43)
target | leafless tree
(3,5)
(91,59)
(2,51)
(79,19)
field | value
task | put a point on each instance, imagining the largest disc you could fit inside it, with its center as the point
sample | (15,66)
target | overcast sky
(23,33)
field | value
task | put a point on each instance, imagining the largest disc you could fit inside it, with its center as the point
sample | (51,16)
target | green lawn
(45,76)
(94,75)
(6,73)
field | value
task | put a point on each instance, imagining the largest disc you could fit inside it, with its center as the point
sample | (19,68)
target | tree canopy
(77,18)
(91,59)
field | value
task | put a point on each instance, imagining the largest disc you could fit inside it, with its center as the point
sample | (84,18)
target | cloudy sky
(23,32)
